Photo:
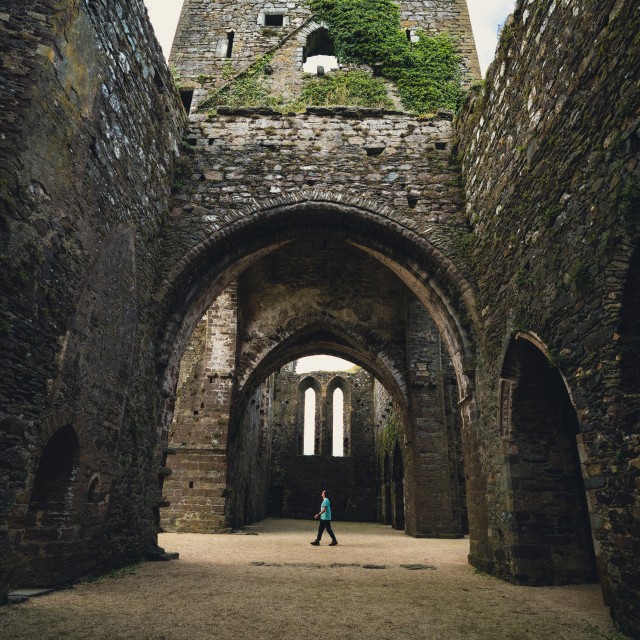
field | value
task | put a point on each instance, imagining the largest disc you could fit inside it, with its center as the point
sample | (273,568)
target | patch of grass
(114,574)
(353,88)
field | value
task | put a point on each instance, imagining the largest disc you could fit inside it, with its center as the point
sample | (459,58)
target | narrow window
(309,422)
(187,98)
(230,37)
(338,423)
(408,32)
(273,20)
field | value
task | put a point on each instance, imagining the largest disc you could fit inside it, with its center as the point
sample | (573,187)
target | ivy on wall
(353,88)
(248,89)
(428,72)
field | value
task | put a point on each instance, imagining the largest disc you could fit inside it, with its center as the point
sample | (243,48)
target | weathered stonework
(527,267)
(296,480)
(199,433)
(89,128)
(278,310)
(549,151)
(216,40)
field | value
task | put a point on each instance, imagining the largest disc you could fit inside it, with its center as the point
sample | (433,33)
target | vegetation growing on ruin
(346,88)
(248,89)
(354,88)
(428,72)
(389,435)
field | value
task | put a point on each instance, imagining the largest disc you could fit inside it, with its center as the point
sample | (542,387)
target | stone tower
(217,40)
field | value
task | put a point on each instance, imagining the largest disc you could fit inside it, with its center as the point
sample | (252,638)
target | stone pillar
(197,489)
(433,505)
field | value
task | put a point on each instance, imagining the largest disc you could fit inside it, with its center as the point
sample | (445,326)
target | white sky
(486,17)
(322,363)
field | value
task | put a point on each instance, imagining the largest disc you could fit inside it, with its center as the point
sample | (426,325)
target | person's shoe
(316,543)
(332,544)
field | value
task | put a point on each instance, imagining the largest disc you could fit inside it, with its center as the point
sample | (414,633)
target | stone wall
(201,55)
(89,130)
(419,462)
(435,506)
(251,159)
(250,458)
(549,150)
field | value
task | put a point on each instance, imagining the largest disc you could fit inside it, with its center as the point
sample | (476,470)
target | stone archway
(357,316)
(548,535)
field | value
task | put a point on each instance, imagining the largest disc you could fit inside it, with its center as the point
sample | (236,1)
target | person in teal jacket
(324,515)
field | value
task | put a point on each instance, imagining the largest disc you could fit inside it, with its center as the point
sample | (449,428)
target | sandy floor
(275,585)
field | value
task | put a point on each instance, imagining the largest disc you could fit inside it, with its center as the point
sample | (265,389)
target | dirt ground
(276,585)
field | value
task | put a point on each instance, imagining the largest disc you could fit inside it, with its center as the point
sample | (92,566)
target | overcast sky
(486,17)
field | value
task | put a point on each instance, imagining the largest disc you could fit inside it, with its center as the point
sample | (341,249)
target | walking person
(324,516)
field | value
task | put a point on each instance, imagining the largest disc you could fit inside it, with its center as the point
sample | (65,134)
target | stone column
(197,489)
(433,505)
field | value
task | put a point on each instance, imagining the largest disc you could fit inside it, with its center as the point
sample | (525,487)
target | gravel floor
(275,585)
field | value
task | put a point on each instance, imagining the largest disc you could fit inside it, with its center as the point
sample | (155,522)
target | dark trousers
(325,524)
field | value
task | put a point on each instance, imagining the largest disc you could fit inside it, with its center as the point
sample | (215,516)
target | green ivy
(346,88)
(248,89)
(364,31)
(428,72)
(432,78)
(389,435)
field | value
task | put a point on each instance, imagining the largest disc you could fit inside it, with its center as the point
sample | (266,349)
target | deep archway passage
(200,276)
(549,535)
(321,278)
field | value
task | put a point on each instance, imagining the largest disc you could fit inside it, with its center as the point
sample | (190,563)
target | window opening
(338,423)
(93,495)
(273,20)
(319,52)
(309,422)
(230,36)
(186,96)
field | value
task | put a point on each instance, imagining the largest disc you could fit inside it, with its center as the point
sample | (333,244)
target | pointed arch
(343,447)
(308,431)
(549,535)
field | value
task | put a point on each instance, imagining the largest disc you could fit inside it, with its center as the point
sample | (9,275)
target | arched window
(337,410)
(338,423)
(319,52)
(309,422)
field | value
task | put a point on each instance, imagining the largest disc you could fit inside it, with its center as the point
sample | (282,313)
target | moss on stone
(428,72)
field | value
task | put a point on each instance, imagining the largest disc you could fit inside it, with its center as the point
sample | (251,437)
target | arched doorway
(548,531)
(48,530)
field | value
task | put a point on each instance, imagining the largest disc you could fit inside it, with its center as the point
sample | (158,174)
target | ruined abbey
(167,257)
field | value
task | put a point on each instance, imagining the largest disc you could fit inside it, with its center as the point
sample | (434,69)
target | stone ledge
(337,111)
